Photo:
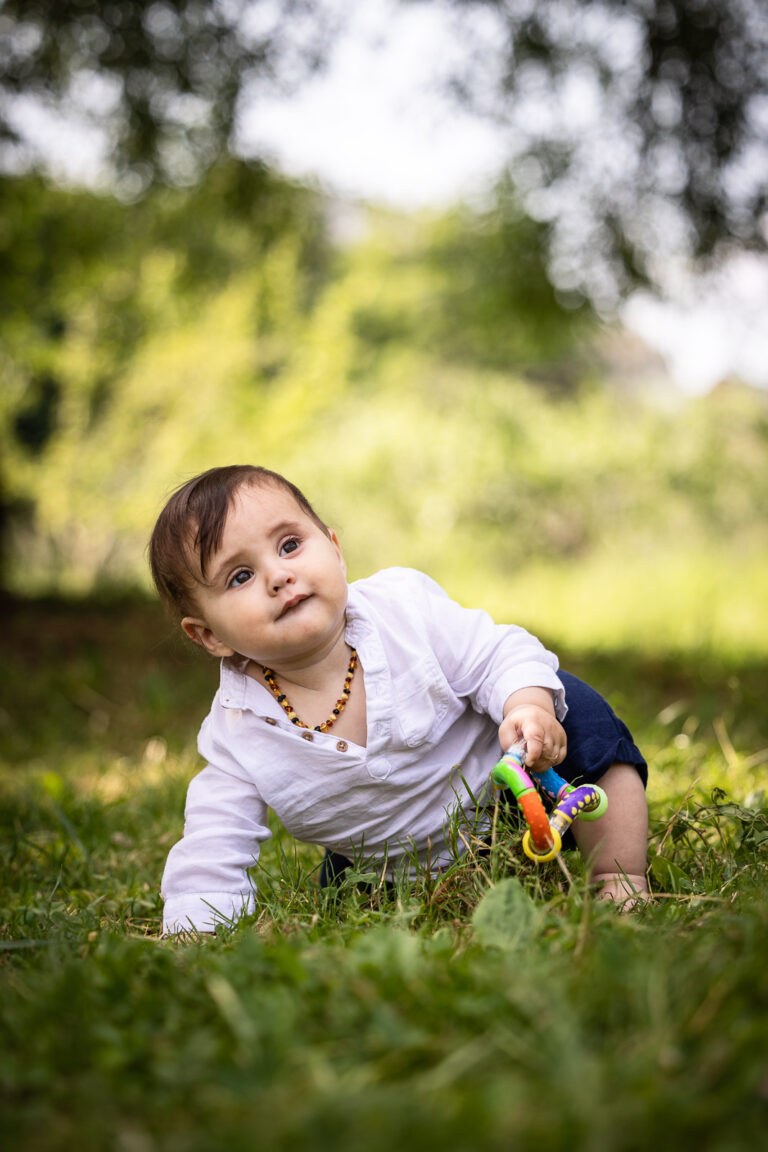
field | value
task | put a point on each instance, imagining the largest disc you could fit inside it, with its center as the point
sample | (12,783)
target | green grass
(496,1006)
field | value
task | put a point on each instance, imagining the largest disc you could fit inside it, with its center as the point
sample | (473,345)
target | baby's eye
(240,578)
(289,546)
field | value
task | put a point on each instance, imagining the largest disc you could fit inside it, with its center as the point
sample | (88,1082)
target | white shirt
(436,679)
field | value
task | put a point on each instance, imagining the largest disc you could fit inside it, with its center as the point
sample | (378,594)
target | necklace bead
(337,709)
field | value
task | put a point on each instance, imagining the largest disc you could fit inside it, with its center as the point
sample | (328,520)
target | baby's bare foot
(625,890)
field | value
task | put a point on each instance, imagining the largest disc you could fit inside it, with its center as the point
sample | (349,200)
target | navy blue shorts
(597,738)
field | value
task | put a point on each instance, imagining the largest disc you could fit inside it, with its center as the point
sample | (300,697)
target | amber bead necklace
(337,709)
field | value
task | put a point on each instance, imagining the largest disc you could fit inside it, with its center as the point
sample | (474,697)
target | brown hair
(192,523)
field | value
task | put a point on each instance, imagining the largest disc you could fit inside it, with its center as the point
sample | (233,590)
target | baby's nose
(279,577)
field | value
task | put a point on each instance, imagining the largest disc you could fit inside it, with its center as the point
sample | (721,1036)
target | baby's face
(276,589)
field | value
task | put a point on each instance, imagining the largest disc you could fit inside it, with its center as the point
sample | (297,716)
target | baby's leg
(616,845)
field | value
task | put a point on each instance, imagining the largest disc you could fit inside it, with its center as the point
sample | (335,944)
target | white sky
(373,123)
(719,329)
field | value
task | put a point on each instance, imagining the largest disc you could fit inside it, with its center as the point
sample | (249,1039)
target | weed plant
(494,1005)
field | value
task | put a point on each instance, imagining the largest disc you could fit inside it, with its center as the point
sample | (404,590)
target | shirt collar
(233,682)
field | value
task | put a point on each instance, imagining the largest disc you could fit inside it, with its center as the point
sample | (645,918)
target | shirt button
(307,736)
(341,745)
(270,720)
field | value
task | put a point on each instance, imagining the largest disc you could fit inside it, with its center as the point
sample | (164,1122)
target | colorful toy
(543,839)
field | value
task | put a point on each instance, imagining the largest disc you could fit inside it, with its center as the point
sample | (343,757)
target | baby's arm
(206,874)
(486,663)
(529,714)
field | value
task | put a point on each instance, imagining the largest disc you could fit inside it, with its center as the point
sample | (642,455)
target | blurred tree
(160,79)
(638,127)
(493,303)
(86,283)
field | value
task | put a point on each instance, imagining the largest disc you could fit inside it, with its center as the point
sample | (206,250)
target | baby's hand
(537,726)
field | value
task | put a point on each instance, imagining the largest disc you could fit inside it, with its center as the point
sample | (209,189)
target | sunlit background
(466,272)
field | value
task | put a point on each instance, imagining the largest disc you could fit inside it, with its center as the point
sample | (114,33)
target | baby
(363,714)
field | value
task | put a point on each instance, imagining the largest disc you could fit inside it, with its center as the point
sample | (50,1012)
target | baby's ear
(198,631)
(337,545)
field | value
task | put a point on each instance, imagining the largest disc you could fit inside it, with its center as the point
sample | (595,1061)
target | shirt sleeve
(484,662)
(206,880)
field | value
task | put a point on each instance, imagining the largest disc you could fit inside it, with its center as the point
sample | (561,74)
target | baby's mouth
(291,604)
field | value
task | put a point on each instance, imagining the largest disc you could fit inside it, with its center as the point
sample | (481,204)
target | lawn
(495,1006)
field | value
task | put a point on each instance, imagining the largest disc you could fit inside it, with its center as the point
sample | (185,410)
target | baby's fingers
(544,749)
(544,737)
(534,744)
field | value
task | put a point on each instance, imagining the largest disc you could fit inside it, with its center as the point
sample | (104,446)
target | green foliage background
(416,376)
